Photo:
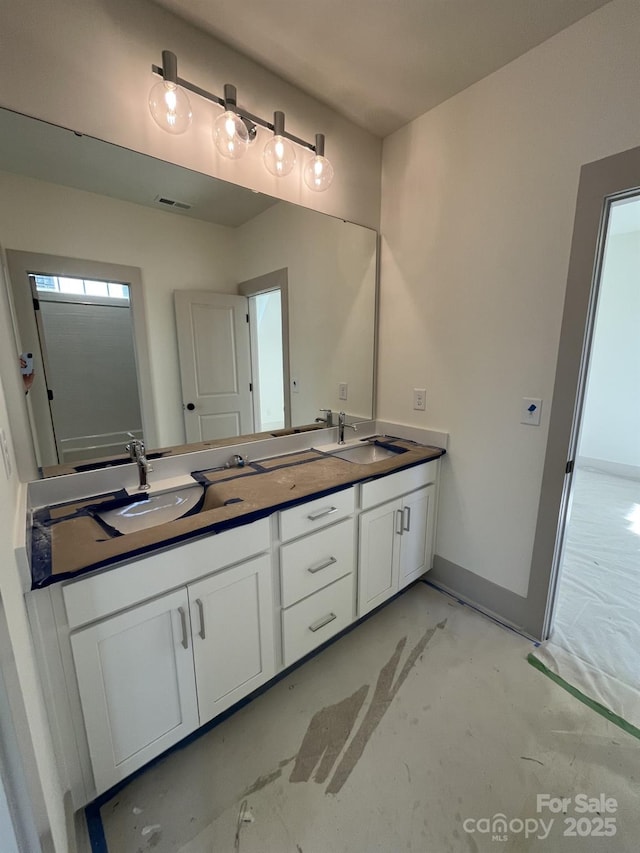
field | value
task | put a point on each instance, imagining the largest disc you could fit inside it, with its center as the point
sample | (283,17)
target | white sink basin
(364,454)
(156,509)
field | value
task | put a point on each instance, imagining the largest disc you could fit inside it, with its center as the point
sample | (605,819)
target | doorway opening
(594,620)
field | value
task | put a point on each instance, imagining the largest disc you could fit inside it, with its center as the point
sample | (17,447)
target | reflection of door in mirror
(84,322)
(87,354)
(215,364)
(231,363)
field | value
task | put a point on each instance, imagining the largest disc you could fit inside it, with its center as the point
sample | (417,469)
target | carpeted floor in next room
(405,735)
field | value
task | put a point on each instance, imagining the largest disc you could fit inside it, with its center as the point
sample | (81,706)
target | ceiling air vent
(171,202)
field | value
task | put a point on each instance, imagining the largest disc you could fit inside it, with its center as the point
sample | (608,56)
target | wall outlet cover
(530,411)
(342,390)
(419,399)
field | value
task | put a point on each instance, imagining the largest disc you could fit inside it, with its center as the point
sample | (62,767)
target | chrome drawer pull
(321,566)
(399,525)
(183,623)
(200,606)
(407,523)
(322,622)
(314,516)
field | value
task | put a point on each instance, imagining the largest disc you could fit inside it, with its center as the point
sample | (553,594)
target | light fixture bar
(170,62)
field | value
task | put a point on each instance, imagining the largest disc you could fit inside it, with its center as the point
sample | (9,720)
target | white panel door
(231,614)
(417,535)
(137,686)
(379,556)
(215,364)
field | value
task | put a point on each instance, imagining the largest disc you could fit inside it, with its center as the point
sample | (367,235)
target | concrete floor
(398,737)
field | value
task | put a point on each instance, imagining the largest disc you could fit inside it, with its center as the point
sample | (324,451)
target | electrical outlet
(530,411)
(419,399)
(295,386)
(6,456)
(342,390)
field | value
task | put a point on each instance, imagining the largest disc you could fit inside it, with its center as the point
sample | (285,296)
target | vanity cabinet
(146,652)
(396,536)
(316,572)
(153,673)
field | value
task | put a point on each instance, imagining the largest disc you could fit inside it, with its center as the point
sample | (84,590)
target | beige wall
(478,203)
(86,65)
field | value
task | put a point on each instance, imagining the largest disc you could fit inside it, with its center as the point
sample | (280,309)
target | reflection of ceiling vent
(171,202)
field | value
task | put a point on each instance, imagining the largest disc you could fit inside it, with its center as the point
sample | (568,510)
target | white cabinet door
(396,544)
(378,560)
(417,535)
(137,687)
(232,619)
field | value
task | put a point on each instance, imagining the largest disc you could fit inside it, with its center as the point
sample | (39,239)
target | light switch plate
(342,390)
(530,411)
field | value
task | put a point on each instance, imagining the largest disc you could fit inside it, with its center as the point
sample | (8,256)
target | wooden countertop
(68,540)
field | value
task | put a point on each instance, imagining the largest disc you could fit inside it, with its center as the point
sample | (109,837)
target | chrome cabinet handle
(200,606)
(183,623)
(314,516)
(322,622)
(399,525)
(321,566)
(407,520)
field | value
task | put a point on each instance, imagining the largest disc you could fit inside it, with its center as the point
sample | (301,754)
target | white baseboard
(617,469)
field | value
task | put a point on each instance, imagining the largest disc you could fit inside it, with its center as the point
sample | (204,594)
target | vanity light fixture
(318,173)
(168,102)
(235,128)
(279,154)
(230,133)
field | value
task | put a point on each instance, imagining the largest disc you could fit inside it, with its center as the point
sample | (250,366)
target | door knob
(190,406)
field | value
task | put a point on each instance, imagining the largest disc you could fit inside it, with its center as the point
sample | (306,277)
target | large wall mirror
(163,302)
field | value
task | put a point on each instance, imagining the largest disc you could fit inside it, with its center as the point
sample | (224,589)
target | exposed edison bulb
(318,173)
(170,107)
(230,135)
(279,156)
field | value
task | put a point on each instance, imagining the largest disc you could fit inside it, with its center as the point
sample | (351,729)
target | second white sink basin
(365,454)
(156,509)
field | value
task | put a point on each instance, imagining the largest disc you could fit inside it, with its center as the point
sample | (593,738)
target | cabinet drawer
(311,622)
(315,561)
(393,485)
(313,515)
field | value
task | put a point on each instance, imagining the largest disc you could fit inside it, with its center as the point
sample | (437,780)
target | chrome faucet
(328,419)
(136,451)
(342,425)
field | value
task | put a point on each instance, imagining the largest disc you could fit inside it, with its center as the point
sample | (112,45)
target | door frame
(276,280)
(22,264)
(601,182)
